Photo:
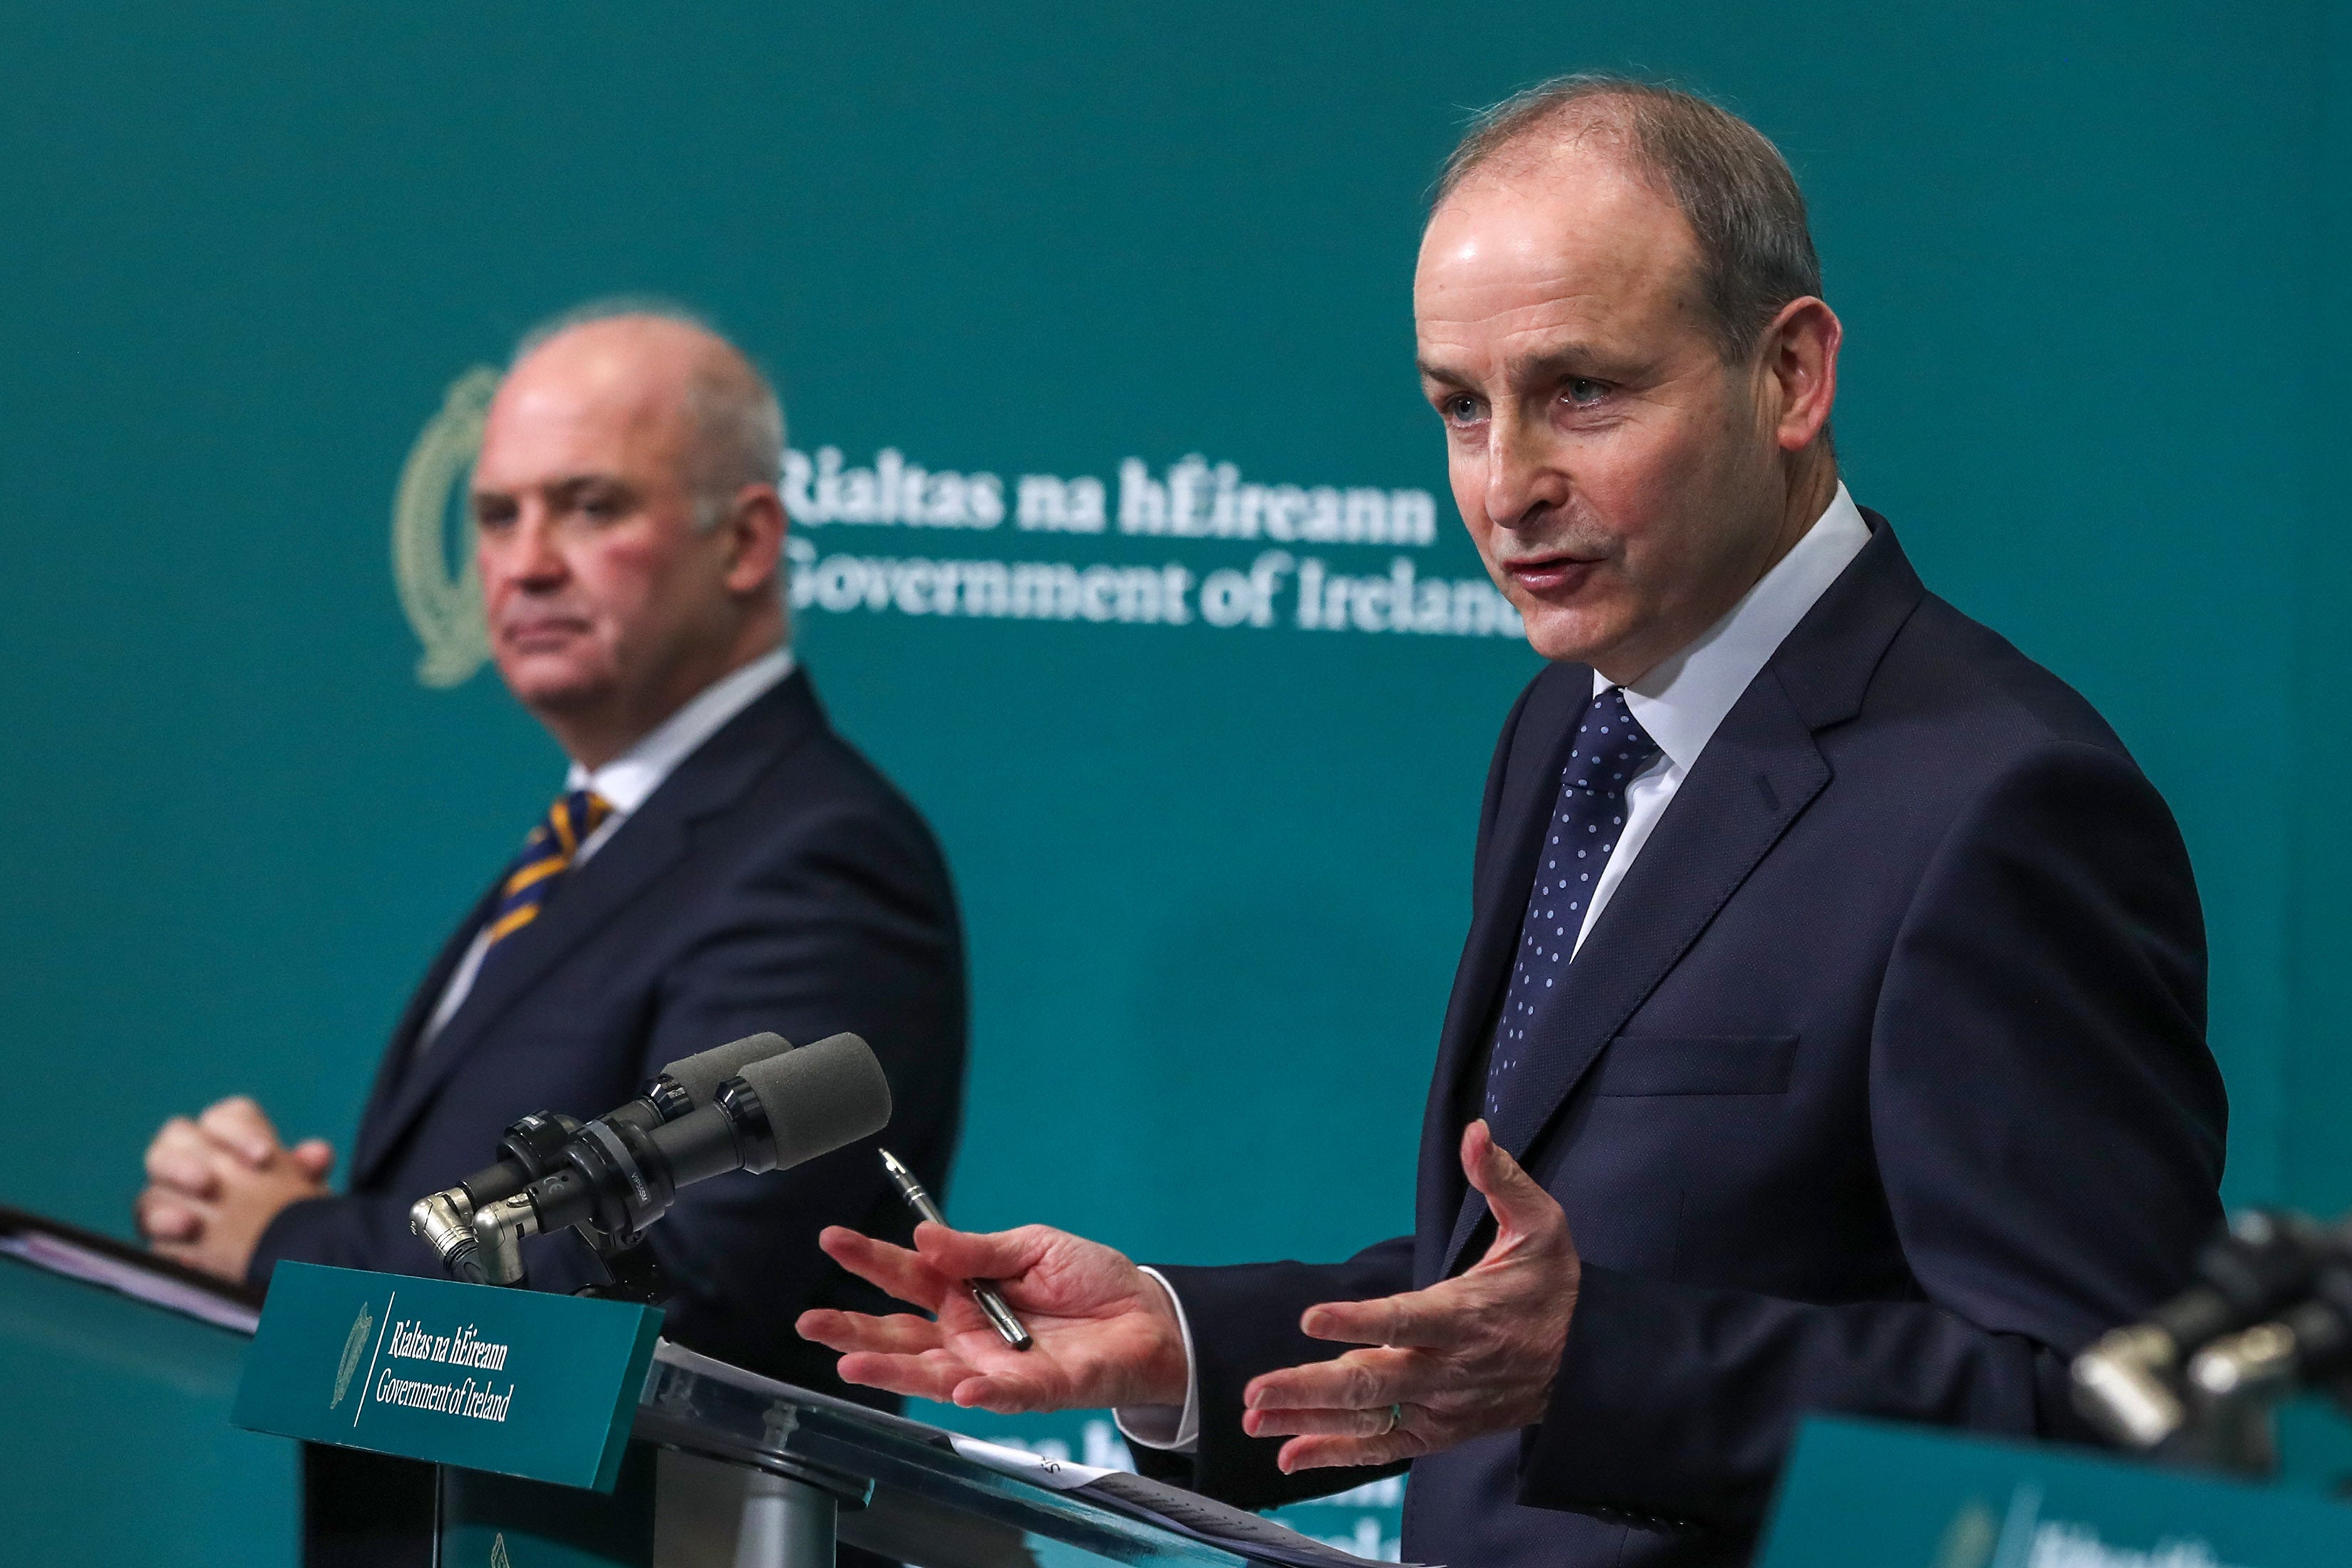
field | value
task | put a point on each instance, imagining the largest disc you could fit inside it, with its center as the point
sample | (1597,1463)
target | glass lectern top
(900,1482)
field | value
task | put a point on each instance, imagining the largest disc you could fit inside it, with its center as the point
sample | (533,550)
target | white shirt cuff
(1166,1426)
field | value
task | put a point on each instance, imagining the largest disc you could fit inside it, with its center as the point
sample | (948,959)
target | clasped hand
(1466,1357)
(213,1183)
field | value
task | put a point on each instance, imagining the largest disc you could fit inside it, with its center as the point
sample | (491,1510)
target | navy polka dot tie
(1611,748)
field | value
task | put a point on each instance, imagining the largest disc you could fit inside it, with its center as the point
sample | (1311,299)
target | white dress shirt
(1682,698)
(1680,701)
(626,783)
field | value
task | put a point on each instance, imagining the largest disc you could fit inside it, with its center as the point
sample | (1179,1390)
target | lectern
(710,1464)
(115,1446)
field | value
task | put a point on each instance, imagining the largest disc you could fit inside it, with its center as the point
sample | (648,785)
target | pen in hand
(992,1305)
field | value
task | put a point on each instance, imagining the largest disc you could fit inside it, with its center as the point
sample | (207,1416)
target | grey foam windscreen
(820,1097)
(701,1074)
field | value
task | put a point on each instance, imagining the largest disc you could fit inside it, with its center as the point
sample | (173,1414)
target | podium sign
(517,1382)
(1863,1495)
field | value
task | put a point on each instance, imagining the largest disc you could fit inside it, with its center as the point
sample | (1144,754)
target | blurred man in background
(719,863)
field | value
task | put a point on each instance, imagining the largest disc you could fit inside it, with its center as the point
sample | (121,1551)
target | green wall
(2088,259)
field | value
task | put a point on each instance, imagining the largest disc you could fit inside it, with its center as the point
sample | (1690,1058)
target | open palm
(1105,1334)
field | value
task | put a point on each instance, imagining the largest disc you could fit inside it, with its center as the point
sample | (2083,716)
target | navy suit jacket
(775,880)
(1880,1086)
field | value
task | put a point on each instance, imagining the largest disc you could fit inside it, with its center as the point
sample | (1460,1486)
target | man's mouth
(542,632)
(1547,576)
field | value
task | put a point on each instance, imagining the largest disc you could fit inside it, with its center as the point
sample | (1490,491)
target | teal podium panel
(515,1382)
(117,1371)
(1863,1494)
(487,1519)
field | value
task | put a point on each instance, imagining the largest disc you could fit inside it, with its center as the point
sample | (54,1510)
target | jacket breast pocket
(1697,1064)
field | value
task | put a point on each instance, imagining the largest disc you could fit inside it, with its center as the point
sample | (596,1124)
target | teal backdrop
(2091,264)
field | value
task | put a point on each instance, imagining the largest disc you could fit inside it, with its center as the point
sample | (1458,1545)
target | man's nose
(1523,483)
(527,556)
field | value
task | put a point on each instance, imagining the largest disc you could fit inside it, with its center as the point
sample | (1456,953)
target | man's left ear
(1801,353)
(755,528)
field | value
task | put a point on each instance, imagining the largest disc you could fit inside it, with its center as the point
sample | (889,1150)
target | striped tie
(546,855)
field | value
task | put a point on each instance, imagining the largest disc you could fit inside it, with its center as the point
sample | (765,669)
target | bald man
(718,863)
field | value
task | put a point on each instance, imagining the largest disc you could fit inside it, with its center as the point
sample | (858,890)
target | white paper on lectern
(1059,1474)
(1232,1529)
(61,1256)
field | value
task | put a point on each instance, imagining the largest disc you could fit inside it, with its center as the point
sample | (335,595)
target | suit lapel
(653,839)
(398,1059)
(1756,774)
(639,851)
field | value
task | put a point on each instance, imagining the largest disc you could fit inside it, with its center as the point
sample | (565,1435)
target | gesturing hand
(1467,1356)
(1105,1334)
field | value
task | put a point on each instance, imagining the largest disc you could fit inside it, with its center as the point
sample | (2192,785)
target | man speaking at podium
(1829,1034)
(720,863)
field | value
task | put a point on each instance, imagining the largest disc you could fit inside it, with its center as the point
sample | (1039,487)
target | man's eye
(1583,389)
(1460,409)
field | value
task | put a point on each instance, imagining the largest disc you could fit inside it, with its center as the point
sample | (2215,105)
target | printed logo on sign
(1968,1541)
(498,1558)
(355,1346)
(434,573)
(2023,1538)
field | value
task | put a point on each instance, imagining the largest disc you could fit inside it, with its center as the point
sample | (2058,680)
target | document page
(1173,1507)
(77,1262)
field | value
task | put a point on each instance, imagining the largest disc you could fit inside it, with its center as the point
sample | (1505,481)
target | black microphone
(2128,1384)
(688,1083)
(533,1146)
(2309,1344)
(617,1178)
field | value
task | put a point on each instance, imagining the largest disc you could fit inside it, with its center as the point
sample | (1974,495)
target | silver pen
(1007,1326)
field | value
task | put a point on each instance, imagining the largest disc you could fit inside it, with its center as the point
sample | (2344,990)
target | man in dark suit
(1829,1031)
(721,863)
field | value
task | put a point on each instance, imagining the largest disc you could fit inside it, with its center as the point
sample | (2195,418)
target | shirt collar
(1681,699)
(628,779)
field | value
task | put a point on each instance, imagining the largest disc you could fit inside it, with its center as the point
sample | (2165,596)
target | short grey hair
(738,424)
(1735,189)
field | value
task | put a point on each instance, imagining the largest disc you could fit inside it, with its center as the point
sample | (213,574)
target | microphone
(2126,1384)
(620,1176)
(691,1081)
(2311,1343)
(533,1147)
